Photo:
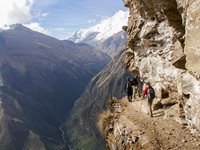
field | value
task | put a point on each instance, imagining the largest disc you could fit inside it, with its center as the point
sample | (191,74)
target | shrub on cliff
(104,120)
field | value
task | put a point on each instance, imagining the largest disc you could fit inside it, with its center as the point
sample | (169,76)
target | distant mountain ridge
(40,78)
(105,36)
(102,31)
(113,44)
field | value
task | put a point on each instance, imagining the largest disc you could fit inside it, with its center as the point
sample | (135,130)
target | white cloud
(15,11)
(44,14)
(37,27)
(39,15)
(19,11)
(91,21)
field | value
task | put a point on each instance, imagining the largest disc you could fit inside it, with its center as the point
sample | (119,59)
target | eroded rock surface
(163,48)
(132,129)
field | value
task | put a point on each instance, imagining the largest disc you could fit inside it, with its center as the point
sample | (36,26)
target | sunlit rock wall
(163,47)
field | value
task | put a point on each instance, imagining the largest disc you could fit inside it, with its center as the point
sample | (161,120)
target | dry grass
(111,102)
(123,103)
(104,119)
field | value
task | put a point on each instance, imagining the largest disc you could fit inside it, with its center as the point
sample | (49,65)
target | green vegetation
(81,140)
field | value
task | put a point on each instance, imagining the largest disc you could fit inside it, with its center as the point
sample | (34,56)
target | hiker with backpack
(135,86)
(129,89)
(149,92)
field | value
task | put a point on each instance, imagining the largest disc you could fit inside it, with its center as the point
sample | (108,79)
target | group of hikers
(135,86)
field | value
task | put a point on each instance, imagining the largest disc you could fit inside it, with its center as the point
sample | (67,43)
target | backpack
(134,81)
(151,94)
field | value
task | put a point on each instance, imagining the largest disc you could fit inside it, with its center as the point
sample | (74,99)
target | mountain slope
(106,36)
(82,130)
(112,45)
(102,31)
(40,77)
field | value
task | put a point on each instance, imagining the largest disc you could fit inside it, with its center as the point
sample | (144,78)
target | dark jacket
(129,88)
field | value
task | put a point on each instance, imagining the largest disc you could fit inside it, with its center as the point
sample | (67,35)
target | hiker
(139,86)
(149,92)
(129,89)
(135,86)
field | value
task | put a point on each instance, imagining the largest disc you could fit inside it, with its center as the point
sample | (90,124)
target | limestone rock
(164,40)
(127,3)
(178,56)
(192,45)
(169,102)
(157,104)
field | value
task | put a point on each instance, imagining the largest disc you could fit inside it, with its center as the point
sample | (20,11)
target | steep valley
(69,94)
(82,126)
(162,47)
(40,78)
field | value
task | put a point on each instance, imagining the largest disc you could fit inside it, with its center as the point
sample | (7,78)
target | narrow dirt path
(162,134)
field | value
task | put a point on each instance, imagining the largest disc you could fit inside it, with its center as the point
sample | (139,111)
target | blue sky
(61,18)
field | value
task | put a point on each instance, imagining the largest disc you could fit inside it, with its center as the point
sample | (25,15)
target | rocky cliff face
(163,48)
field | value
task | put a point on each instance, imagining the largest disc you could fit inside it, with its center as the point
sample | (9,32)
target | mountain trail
(155,133)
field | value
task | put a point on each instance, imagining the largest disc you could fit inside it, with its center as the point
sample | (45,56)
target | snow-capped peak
(105,29)
(5,28)
(11,27)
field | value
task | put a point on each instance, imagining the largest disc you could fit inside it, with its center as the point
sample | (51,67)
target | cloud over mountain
(13,11)
(19,11)
(103,30)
